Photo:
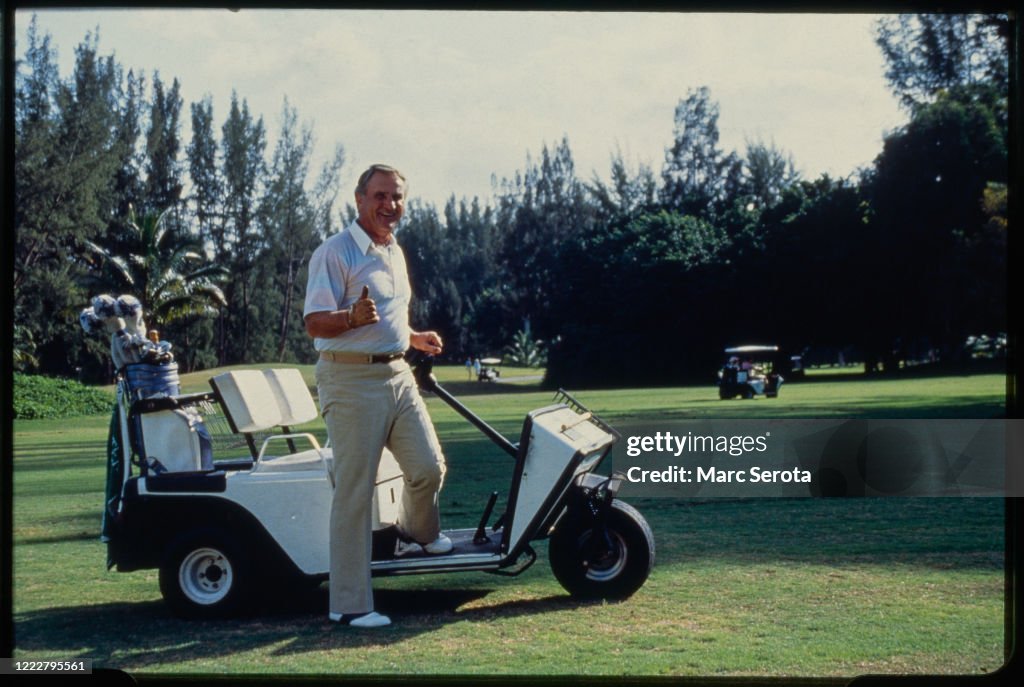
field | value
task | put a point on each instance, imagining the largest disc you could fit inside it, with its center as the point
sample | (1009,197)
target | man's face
(382,206)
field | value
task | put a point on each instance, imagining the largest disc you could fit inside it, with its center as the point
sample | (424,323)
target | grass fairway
(777,587)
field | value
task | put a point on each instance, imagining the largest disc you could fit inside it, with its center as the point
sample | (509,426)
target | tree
(540,212)
(928,53)
(697,175)
(927,192)
(166,269)
(208,188)
(809,267)
(128,187)
(641,303)
(243,144)
(295,222)
(526,350)
(163,169)
(767,173)
(66,155)
(433,254)
(628,194)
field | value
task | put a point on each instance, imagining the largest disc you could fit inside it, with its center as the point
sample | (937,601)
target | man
(357,311)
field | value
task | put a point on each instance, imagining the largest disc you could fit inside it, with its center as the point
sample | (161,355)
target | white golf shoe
(440,545)
(371,619)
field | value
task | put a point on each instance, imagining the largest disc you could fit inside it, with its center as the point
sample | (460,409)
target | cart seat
(256,401)
(313,459)
(261,400)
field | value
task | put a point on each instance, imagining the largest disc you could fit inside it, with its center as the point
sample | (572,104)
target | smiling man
(357,311)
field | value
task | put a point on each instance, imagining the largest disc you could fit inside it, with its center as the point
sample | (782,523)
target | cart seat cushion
(293,398)
(304,460)
(248,399)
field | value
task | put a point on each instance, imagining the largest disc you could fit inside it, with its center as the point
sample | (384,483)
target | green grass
(801,587)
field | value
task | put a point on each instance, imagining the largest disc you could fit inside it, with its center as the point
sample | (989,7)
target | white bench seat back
(259,400)
(249,399)
(292,395)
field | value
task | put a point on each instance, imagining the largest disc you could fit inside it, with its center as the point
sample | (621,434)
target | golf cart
(748,372)
(245,524)
(489,371)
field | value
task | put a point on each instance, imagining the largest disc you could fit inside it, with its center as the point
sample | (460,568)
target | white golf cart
(259,522)
(489,370)
(749,371)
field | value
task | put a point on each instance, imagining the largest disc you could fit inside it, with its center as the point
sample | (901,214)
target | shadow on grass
(69,453)
(89,536)
(488,388)
(141,636)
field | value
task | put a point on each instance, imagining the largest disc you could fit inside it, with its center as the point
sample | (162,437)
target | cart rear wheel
(611,567)
(204,575)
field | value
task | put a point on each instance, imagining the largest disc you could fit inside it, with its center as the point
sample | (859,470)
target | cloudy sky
(454,97)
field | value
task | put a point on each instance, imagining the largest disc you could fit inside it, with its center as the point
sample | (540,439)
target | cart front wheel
(203,575)
(609,564)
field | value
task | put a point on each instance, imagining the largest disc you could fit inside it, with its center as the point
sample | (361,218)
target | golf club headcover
(135,346)
(90,323)
(104,306)
(117,346)
(130,308)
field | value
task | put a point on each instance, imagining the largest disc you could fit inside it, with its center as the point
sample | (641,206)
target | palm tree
(165,268)
(525,350)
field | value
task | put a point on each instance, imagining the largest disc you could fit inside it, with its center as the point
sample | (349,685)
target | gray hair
(364,178)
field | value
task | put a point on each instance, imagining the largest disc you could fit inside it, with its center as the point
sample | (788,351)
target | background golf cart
(489,371)
(258,523)
(750,371)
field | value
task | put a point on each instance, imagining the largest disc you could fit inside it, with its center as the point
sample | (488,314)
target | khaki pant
(367,407)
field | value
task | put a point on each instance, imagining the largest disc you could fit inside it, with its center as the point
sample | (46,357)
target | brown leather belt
(360,358)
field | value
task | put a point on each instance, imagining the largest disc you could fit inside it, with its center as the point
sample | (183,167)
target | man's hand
(428,342)
(363,311)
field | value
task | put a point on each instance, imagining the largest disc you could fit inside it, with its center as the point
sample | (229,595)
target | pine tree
(295,220)
(207,186)
(697,173)
(163,143)
(243,171)
(929,53)
(66,156)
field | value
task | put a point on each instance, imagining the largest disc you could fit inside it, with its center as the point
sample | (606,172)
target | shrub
(38,397)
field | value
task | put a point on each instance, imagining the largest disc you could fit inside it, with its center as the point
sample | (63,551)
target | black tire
(619,570)
(748,392)
(205,575)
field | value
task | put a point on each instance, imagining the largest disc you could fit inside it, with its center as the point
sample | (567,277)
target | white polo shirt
(338,270)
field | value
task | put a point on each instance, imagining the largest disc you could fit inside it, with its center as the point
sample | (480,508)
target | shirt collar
(363,240)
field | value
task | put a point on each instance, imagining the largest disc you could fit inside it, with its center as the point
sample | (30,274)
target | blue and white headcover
(90,323)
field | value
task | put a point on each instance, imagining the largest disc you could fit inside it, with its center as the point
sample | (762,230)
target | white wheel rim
(205,576)
(602,571)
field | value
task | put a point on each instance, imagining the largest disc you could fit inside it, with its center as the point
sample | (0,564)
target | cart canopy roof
(752,349)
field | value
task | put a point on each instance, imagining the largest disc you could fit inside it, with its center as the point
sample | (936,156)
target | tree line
(638,279)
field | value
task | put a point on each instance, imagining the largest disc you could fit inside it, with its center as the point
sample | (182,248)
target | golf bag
(166,437)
